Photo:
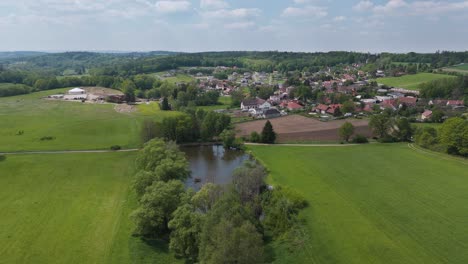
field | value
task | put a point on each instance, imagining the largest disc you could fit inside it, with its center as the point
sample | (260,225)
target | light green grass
(463,67)
(374,204)
(178,78)
(74,125)
(411,82)
(68,208)
(224,103)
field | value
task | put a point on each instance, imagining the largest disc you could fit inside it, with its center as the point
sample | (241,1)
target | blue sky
(215,25)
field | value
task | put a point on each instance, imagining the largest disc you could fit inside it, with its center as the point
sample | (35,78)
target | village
(335,93)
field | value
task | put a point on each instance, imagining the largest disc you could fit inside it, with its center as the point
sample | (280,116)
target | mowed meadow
(72,125)
(412,82)
(73,207)
(374,203)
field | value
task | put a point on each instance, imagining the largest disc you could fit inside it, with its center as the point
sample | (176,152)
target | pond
(212,164)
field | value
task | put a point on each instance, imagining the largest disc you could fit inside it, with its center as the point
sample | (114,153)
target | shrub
(360,139)
(116,147)
(47,138)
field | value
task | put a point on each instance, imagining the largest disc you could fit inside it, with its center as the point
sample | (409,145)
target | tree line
(218,224)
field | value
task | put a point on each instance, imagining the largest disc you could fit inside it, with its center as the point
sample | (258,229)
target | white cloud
(213,4)
(339,18)
(239,13)
(172,6)
(240,25)
(363,6)
(411,8)
(390,6)
(307,11)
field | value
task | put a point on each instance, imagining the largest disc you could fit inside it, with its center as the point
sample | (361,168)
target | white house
(255,103)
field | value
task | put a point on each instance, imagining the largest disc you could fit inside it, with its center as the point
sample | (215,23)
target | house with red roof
(321,108)
(408,101)
(293,106)
(426,115)
(332,108)
(455,103)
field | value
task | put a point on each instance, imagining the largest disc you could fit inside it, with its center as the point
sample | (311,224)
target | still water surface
(212,164)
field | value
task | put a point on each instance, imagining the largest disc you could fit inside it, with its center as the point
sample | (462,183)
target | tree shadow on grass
(157,244)
(2,158)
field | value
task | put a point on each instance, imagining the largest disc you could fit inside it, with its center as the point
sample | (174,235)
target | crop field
(461,68)
(411,82)
(374,203)
(27,119)
(296,128)
(68,208)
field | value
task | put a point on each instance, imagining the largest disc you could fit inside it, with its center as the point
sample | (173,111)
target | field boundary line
(66,151)
(436,154)
(301,145)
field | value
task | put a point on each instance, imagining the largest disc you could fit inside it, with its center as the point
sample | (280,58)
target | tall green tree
(268,134)
(128,88)
(346,131)
(157,205)
(454,135)
(186,226)
(165,104)
(380,124)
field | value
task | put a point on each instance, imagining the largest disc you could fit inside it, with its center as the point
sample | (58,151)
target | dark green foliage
(453,134)
(115,147)
(10,89)
(128,88)
(165,104)
(268,135)
(156,206)
(360,139)
(380,124)
(255,137)
(229,236)
(346,131)
(248,181)
(450,88)
(426,137)
(186,226)
(404,130)
(149,130)
(281,207)
(2,158)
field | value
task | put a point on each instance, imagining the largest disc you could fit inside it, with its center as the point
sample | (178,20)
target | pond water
(212,164)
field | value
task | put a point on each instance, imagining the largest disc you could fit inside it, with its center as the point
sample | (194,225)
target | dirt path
(65,151)
(301,145)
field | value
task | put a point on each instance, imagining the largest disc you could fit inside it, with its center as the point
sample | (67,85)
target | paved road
(65,151)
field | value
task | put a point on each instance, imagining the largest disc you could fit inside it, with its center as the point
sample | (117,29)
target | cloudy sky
(214,25)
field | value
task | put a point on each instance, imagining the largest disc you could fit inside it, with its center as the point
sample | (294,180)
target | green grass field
(74,125)
(463,67)
(412,82)
(224,103)
(175,79)
(69,208)
(374,203)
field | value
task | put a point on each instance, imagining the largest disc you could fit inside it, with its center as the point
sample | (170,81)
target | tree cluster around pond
(451,137)
(191,126)
(218,224)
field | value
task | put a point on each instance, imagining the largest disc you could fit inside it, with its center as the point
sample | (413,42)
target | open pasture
(374,203)
(411,82)
(27,119)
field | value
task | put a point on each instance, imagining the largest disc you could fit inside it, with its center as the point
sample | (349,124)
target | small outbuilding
(76,91)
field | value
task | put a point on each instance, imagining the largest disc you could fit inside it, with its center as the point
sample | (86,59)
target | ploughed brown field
(299,128)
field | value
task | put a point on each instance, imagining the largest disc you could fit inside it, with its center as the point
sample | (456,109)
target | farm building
(76,91)
(255,103)
(426,115)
